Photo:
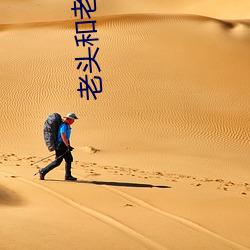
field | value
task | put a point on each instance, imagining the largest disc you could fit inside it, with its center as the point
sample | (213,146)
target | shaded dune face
(9,197)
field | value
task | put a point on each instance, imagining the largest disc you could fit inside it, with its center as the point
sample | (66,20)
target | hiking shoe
(41,175)
(70,178)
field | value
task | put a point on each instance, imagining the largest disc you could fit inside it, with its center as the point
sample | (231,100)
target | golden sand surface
(161,156)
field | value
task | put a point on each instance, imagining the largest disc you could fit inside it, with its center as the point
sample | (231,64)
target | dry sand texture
(162,156)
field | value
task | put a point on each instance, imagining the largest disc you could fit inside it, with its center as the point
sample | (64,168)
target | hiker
(63,149)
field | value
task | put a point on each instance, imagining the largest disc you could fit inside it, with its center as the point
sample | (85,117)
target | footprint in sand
(128,205)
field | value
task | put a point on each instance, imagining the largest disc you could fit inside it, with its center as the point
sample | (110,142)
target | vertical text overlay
(84,30)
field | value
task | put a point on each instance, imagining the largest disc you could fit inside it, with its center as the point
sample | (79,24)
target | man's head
(70,118)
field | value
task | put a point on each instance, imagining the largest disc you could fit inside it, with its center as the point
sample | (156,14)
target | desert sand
(162,155)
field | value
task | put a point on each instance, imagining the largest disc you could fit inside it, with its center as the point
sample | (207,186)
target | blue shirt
(64,128)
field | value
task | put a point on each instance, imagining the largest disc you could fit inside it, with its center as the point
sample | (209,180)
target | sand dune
(199,110)
(162,155)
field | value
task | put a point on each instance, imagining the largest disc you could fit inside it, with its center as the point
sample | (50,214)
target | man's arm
(66,142)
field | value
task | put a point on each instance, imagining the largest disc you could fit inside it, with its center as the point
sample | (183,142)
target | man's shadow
(114,183)
(122,184)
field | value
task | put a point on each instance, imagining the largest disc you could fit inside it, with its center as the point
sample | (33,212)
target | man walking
(63,150)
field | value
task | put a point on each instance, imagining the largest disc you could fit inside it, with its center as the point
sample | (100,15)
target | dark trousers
(67,156)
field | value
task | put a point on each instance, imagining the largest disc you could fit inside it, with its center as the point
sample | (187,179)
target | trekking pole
(48,157)
(41,160)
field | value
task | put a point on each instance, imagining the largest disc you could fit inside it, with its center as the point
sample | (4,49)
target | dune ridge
(140,17)
(48,10)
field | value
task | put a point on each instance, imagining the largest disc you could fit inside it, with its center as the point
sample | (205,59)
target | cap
(71,116)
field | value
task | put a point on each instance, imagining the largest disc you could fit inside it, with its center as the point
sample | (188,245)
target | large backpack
(50,130)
